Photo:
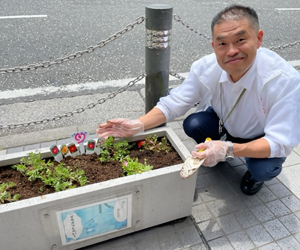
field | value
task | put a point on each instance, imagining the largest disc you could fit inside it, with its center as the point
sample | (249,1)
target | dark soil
(94,170)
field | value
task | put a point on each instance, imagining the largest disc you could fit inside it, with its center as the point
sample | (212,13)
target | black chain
(77,111)
(75,55)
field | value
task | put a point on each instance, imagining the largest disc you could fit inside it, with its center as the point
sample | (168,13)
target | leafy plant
(132,166)
(111,150)
(5,195)
(154,144)
(60,177)
(32,166)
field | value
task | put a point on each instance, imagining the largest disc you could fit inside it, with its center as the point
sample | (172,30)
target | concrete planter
(70,219)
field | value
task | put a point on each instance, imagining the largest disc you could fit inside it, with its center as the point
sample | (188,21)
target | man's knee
(264,169)
(201,125)
(190,125)
(266,175)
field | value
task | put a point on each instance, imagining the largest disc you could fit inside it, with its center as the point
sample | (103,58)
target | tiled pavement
(222,217)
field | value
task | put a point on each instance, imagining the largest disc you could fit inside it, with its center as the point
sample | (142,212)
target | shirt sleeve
(278,150)
(183,97)
(282,126)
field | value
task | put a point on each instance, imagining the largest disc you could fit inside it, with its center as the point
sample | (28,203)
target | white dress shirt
(270,105)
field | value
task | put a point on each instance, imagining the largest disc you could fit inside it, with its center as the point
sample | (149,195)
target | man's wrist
(229,154)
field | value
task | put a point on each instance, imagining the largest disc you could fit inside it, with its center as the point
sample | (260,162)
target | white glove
(215,151)
(120,128)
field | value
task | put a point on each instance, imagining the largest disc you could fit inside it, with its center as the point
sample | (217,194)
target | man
(249,101)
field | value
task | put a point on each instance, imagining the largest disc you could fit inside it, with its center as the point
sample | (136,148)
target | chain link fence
(91,49)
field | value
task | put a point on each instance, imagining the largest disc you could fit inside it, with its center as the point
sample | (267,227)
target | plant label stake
(90,147)
(80,138)
(191,164)
(64,150)
(56,153)
(99,142)
(73,149)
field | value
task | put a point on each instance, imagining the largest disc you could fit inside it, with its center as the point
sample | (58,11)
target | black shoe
(248,186)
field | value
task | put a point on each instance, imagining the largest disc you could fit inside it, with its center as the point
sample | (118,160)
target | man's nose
(232,50)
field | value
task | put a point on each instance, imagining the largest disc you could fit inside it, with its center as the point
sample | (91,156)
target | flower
(72,148)
(54,150)
(91,145)
(141,143)
(125,163)
(64,150)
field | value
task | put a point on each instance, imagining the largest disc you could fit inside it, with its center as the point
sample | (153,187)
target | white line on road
(295,63)
(19,93)
(67,88)
(26,16)
(11,94)
(287,8)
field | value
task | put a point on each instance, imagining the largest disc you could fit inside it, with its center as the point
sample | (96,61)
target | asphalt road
(73,25)
(47,30)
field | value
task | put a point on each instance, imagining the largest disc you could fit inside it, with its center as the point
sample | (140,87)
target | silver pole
(158,31)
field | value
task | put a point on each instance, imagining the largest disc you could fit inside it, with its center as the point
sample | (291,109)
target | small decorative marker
(56,153)
(64,150)
(90,147)
(80,138)
(99,142)
(73,149)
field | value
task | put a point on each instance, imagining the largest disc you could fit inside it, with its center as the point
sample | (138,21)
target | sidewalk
(222,217)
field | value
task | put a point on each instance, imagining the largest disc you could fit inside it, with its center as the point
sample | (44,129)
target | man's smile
(234,60)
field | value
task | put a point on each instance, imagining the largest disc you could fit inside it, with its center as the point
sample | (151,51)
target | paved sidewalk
(222,217)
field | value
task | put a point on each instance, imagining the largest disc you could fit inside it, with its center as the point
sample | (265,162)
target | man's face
(235,44)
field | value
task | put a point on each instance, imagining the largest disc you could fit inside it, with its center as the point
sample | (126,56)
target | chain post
(158,31)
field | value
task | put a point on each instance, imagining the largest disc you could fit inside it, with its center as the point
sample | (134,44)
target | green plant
(152,143)
(32,166)
(132,166)
(5,195)
(111,150)
(60,177)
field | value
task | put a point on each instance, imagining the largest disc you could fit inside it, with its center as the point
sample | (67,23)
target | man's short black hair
(236,12)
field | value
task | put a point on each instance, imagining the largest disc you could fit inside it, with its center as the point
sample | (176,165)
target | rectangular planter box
(125,205)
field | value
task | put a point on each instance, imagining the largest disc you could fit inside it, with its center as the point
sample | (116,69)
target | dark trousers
(206,124)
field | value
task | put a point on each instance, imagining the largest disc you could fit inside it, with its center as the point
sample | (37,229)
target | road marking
(19,93)
(287,8)
(26,16)
(295,63)
(68,88)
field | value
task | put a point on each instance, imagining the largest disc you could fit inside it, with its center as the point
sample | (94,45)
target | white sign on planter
(85,222)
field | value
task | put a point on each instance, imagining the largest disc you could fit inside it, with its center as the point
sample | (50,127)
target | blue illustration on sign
(95,219)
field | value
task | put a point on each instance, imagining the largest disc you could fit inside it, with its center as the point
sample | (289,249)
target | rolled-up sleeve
(282,126)
(194,89)
(183,97)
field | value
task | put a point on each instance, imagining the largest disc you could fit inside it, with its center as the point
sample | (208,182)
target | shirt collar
(246,81)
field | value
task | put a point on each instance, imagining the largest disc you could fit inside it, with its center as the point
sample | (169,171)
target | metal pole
(158,31)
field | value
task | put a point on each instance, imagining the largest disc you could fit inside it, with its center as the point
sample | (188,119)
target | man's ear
(212,44)
(260,35)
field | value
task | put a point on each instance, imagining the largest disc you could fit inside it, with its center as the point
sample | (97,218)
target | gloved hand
(120,128)
(214,152)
